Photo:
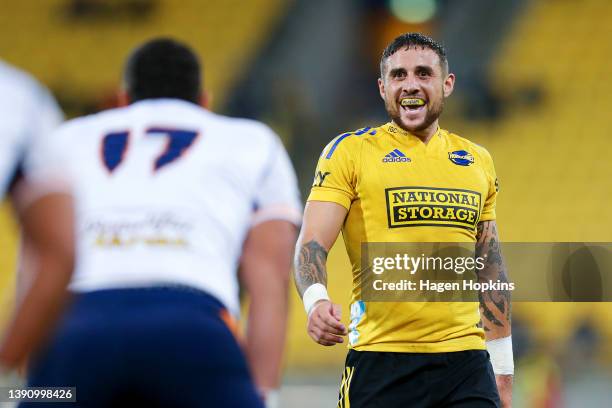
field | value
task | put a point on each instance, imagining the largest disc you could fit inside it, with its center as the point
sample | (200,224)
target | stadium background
(533,87)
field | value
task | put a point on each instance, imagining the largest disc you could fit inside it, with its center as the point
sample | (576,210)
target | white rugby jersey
(28,114)
(166,192)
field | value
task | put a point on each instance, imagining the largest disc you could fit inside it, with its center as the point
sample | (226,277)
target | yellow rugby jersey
(397,189)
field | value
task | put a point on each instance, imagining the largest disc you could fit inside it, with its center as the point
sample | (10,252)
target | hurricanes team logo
(429,206)
(461,157)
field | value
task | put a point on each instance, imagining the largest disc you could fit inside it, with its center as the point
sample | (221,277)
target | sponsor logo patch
(430,206)
(461,157)
(320,178)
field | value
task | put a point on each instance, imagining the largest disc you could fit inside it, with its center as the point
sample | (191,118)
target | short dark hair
(163,68)
(408,40)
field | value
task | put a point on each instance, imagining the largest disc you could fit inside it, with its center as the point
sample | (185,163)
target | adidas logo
(396,156)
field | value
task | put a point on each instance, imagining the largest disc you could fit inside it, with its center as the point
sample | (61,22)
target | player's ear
(123,99)
(449,85)
(205,99)
(381,88)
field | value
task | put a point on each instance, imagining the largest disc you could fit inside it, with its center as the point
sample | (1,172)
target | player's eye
(423,73)
(398,74)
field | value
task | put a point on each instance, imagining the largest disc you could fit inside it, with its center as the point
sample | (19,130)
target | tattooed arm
(320,228)
(495,305)
(311,262)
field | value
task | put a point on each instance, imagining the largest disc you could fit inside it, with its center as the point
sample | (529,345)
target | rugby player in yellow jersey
(409,181)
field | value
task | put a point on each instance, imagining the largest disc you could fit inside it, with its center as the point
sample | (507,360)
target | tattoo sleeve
(310,266)
(495,306)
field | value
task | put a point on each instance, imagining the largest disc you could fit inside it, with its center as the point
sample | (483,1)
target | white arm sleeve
(44,161)
(277,196)
(28,111)
(42,153)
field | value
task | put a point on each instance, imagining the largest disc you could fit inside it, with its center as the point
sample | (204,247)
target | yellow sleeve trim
(487,216)
(326,194)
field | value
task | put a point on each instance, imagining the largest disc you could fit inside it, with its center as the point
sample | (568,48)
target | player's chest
(423,186)
(397,166)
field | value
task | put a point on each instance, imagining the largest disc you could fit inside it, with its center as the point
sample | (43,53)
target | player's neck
(424,135)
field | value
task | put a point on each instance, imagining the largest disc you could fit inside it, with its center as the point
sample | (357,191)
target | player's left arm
(495,309)
(47,225)
(44,206)
(265,270)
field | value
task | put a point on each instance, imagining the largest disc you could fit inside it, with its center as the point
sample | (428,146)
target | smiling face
(414,87)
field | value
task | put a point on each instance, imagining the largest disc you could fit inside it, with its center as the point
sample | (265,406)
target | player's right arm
(330,199)
(265,269)
(320,228)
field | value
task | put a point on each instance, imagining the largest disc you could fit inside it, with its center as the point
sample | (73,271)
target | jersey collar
(393,129)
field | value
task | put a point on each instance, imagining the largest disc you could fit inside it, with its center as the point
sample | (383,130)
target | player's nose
(410,86)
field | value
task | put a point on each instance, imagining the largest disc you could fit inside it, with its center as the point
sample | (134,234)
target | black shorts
(414,380)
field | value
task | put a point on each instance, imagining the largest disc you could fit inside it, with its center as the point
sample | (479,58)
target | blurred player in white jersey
(171,201)
(31,175)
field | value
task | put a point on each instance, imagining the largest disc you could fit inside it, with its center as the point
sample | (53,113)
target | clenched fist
(324,325)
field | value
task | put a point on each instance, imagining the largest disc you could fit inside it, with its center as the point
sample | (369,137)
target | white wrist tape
(502,359)
(313,294)
(272,399)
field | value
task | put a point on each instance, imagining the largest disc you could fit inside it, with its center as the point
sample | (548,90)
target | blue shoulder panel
(345,135)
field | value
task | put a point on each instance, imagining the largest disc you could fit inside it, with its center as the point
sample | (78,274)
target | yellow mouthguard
(412,102)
